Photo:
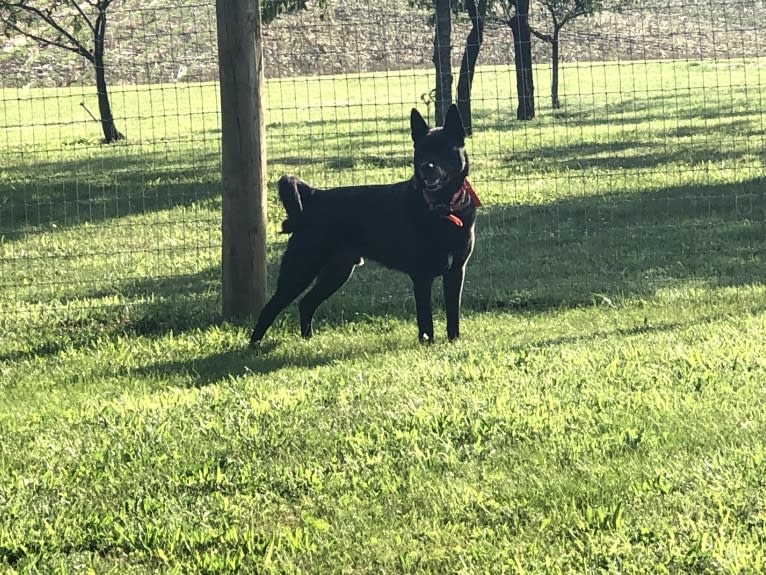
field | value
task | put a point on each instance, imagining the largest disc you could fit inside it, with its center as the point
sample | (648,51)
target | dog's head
(441,164)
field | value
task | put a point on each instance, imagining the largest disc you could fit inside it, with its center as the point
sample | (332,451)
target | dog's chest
(438,249)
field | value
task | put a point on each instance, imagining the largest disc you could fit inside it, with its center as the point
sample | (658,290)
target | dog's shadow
(270,356)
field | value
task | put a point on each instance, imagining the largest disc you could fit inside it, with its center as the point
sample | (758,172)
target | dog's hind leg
(295,275)
(331,278)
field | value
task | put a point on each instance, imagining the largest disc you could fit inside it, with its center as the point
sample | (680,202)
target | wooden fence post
(243,164)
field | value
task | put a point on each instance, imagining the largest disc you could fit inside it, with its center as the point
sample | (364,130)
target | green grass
(601,414)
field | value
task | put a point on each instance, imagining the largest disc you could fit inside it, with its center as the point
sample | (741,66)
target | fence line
(651,172)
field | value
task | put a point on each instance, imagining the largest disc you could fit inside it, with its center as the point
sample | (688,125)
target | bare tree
(561,12)
(441,19)
(478,15)
(515,14)
(78,27)
(442,58)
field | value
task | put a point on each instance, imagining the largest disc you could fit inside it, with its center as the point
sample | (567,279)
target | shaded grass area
(602,412)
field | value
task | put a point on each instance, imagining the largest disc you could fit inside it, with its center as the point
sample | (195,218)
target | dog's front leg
(453,291)
(422,286)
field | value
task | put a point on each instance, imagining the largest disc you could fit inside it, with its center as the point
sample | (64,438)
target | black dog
(423,227)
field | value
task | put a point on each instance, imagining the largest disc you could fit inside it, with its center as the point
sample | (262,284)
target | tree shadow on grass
(664,108)
(59,195)
(628,149)
(146,307)
(620,245)
(631,153)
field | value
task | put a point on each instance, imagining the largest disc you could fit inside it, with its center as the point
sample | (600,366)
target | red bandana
(475,201)
(466,188)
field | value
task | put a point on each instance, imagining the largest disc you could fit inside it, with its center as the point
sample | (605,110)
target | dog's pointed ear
(418,126)
(453,125)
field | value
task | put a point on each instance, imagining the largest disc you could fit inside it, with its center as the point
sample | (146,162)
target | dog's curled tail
(294,193)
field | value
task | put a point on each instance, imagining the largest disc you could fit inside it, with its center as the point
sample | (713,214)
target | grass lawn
(603,412)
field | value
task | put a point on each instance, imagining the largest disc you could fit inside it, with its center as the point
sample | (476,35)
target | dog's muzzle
(433,176)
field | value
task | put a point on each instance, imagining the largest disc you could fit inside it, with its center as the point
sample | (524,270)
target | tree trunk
(243,157)
(522,46)
(468,63)
(442,58)
(111,134)
(555,103)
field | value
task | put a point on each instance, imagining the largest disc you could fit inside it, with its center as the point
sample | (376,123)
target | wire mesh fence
(649,172)
(91,231)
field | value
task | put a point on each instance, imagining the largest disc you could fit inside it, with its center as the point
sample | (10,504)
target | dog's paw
(255,344)
(307,332)
(259,347)
(425,339)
